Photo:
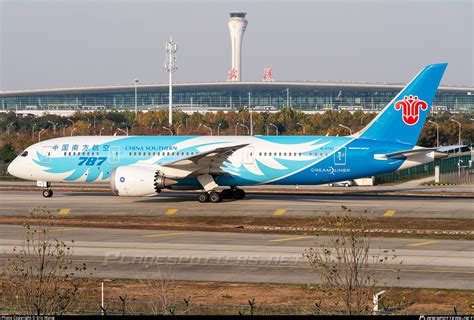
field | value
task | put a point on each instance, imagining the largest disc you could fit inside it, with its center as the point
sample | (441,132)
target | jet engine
(132,181)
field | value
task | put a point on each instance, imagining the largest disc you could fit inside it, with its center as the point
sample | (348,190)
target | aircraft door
(46,154)
(114,154)
(248,155)
(340,157)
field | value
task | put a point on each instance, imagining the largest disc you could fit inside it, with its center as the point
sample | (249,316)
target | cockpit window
(24,154)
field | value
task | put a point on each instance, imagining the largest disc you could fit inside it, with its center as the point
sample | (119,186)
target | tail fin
(403,118)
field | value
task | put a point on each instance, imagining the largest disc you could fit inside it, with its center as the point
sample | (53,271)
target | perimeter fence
(454,169)
(142,307)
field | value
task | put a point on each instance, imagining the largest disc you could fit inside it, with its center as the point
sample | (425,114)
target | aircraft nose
(13,168)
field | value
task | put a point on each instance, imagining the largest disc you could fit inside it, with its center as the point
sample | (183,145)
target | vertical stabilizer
(403,118)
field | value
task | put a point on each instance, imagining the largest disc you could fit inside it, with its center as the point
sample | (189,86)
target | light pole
(236,127)
(72,122)
(33,131)
(168,129)
(88,121)
(346,127)
(72,131)
(219,128)
(276,128)
(177,129)
(39,134)
(210,129)
(437,131)
(136,81)
(125,126)
(302,126)
(251,116)
(126,132)
(288,97)
(459,124)
(171,66)
(54,126)
(100,131)
(243,125)
(8,127)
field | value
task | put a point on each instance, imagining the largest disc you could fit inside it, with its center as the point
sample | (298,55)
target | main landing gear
(214,196)
(210,194)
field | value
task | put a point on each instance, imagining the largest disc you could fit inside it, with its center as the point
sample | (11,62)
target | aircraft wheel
(203,197)
(238,194)
(47,193)
(226,194)
(214,197)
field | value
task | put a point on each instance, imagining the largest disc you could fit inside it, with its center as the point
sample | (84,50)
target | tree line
(18,132)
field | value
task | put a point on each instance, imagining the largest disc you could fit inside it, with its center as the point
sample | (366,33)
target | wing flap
(205,157)
(208,162)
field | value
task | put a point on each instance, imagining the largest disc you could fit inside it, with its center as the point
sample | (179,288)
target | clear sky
(71,43)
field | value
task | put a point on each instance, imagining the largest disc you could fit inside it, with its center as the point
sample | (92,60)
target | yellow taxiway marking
(389,213)
(64,211)
(289,239)
(171,212)
(164,235)
(419,244)
(63,229)
(279,212)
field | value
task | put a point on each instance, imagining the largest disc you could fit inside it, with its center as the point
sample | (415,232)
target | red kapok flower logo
(410,106)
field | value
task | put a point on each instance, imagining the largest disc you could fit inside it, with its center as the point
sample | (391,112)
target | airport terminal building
(260,95)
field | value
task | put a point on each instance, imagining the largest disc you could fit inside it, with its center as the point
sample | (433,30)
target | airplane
(145,165)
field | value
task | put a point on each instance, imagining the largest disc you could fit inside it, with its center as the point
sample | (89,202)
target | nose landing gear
(47,192)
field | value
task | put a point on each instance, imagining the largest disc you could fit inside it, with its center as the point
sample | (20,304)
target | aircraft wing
(209,161)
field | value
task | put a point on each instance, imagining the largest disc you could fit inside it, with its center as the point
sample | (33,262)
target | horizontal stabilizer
(412,153)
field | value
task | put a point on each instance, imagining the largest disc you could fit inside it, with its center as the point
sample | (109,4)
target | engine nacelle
(132,181)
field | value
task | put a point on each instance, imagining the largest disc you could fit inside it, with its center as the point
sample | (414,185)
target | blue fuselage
(264,159)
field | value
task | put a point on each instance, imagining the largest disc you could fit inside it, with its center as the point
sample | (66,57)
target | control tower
(237,25)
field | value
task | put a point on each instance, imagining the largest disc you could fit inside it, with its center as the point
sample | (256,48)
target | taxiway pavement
(243,257)
(255,204)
